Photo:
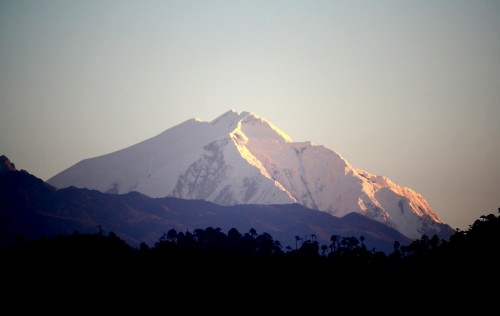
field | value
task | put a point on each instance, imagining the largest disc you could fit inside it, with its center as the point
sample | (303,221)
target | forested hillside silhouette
(216,270)
(212,254)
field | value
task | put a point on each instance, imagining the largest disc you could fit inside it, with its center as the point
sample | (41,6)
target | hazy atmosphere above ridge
(404,90)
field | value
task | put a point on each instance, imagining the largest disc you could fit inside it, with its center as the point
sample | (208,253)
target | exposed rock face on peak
(241,158)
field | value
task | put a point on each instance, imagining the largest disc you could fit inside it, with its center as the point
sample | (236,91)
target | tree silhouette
(297,238)
(199,235)
(335,242)
(233,234)
(313,237)
(324,248)
(252,232)
(277,247)
(396,254)
(172,235)
(352,242)
(100,230)
(309,249)
(265,244)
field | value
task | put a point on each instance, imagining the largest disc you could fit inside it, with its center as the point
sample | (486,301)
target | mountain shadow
(32,208)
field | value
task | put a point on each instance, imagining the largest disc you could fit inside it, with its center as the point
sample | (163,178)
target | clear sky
(405,89)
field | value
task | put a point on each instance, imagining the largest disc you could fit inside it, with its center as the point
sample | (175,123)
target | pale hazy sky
(405,89)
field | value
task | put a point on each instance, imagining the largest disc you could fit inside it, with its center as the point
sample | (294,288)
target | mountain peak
(6,165)
(250,123)
(228,121)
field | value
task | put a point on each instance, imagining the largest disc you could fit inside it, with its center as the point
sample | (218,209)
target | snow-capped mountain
(240,158)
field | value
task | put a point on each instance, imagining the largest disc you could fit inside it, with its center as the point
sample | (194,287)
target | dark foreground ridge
(210,254)
(31,207)
(215,271)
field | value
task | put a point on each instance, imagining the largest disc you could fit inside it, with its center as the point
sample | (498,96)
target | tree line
(212,255)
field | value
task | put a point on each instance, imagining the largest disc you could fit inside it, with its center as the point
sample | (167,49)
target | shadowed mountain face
(31,207)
